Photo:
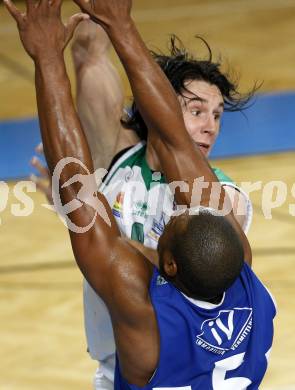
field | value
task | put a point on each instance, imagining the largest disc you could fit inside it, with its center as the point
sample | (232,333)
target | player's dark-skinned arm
(44,37)
(158,104)
(56,111)
(76,145)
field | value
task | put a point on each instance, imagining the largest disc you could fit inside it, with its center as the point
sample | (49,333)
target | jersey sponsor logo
(226,331)
(161,281)
(117,208)
(140,209)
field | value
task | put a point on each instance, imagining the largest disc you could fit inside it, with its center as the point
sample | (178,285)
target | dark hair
(180,66)
(209,255)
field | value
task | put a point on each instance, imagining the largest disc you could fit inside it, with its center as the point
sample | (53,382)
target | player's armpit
(119,274)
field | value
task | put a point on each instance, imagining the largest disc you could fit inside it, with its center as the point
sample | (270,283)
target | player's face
(202,110)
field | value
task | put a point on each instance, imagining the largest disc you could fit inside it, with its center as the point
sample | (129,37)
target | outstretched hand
(41,29)
(107,13)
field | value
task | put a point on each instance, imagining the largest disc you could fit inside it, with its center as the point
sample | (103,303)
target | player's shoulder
(261,294)
(126,158)
(242,205)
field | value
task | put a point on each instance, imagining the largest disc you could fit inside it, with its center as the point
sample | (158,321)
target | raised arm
(99,101)
(100,96)
(92,228)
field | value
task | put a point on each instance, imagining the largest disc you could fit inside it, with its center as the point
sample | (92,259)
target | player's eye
(195,112)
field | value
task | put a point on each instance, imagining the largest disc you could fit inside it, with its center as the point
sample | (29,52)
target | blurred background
(41,317)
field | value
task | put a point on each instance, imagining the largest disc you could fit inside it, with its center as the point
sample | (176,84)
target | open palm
(41,29)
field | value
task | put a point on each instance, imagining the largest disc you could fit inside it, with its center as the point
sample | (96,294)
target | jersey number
(137,233)
(218,376)
(221,367)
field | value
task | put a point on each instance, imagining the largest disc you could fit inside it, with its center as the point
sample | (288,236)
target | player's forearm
(62,134)
(100,105)
(152,91)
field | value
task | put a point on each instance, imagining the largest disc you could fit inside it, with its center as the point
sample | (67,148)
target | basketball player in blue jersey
(100,104)
(200,319)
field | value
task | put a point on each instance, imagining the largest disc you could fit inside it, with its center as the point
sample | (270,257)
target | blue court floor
(267,126)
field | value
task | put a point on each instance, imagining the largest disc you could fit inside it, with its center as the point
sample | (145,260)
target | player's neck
(152,158)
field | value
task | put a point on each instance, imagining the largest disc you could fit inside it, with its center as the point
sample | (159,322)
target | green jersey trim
(126,159)
(137,156)
(222,177)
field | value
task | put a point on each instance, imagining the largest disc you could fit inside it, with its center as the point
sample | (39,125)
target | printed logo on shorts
(226,331)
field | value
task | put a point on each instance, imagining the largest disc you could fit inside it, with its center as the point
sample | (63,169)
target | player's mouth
(204,148)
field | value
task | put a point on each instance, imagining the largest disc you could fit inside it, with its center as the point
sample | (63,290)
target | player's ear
(169,264)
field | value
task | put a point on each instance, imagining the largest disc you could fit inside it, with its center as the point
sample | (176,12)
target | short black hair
(209,255)
(181,66)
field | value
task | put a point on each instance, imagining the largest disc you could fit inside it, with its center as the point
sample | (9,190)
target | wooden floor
(41,319)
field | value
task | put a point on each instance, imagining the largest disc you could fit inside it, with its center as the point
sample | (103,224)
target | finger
(42,186)
(55,5)
(85,5)
(73,23)
(36,163)
(39,148)
(14,12)
(44,6)
(31,4)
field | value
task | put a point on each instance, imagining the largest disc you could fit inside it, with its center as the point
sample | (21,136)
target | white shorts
(101,382)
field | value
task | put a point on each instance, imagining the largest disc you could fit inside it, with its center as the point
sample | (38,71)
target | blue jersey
(211,347)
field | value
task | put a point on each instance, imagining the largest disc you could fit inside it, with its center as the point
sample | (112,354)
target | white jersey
(142,204)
